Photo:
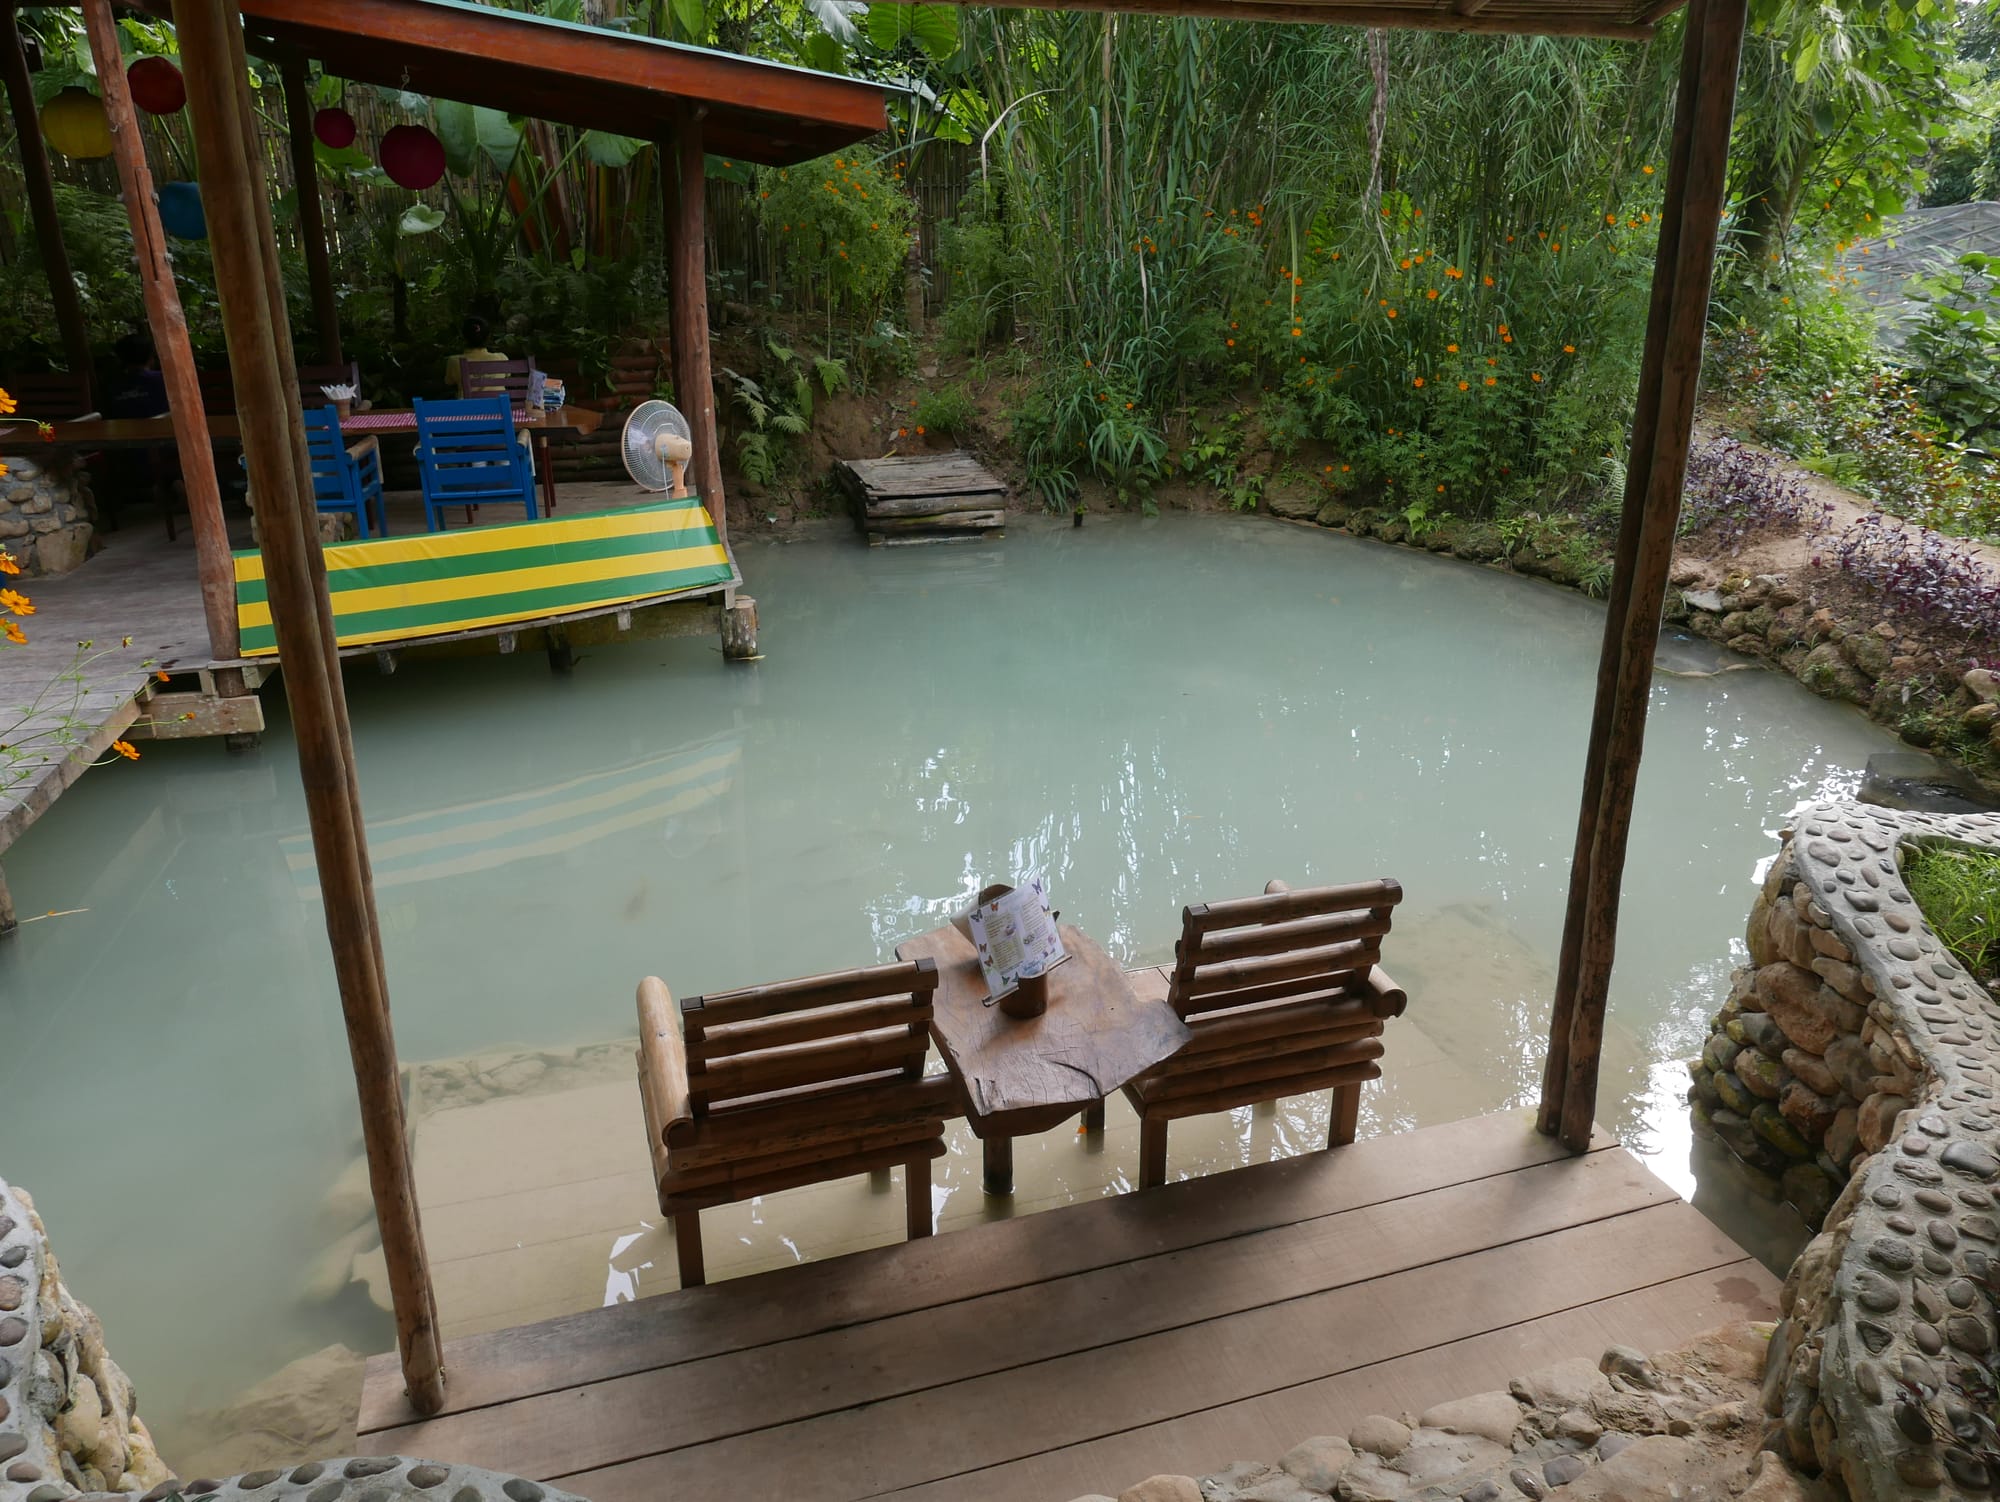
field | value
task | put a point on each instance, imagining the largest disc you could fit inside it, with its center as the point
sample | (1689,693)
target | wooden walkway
(1084,1348)
(140,586)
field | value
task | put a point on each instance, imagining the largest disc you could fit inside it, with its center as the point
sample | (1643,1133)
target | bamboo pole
(1662,427)
(694,385)
(312,220)
(253,321)
(42,199)
(170,336)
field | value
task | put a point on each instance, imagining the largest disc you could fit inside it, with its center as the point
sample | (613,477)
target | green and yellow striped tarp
(391,589)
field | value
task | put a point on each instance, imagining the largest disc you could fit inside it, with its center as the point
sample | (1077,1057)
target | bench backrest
(509,378)
(1284,946)
(782,1044)
(48,397)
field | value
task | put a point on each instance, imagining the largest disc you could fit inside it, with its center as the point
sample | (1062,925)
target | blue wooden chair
(345,478)
(471,456)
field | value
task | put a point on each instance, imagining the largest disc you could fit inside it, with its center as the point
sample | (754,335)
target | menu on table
(1013,931)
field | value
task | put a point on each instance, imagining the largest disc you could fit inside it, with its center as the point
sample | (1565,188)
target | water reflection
(1151,712)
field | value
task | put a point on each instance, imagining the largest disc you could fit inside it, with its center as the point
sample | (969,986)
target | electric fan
(658,445)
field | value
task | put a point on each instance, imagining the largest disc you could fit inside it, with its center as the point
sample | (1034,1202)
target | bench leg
(1093,1117)
(1346,1116)
(999,1155)
(687,1249)
(917,1198)
(1152,1153)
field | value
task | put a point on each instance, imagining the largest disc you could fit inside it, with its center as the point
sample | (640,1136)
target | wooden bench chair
(1284,996)
(753,1091)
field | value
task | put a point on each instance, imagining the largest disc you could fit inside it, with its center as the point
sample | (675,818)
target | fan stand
(680,491)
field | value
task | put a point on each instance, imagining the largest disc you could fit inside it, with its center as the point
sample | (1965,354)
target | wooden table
(131,432)
(1017,1076)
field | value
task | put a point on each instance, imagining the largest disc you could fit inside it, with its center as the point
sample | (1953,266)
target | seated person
(475,334)
(137,474)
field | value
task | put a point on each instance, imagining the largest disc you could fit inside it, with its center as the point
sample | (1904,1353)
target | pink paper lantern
(157,85)
(334,127)
(412,156)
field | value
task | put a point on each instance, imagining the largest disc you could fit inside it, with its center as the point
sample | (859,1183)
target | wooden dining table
(138,432)
(1019,1076)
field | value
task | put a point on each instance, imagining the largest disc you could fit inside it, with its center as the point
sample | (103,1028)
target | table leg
(548,474)
(1093,1117)
(999,1153)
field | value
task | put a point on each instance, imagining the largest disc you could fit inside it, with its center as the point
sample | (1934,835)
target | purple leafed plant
(1734,493)
(1922,571)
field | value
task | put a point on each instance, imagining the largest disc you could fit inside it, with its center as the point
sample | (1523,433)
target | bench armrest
(1385,998)
(361,446)
(663,1073)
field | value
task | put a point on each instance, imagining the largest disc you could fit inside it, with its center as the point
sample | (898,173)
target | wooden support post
(9,923)
(694,386)
(312,221)
(739,630)
(42,198)
(295,572)
(997,1156)
(170,337)
(1662,427)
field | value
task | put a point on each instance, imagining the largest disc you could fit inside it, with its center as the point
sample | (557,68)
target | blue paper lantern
(181,213)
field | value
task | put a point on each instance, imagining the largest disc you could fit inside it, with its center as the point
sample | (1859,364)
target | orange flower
(1535,376)
(1344,468)
(13,633)
(7,404)
(7,563)
(920,431)
(1569,349)
(1404,263)
(1610,218)
(1392,312)
(1432,294)
(15,601)
(1647,170)
(1451,349)
(1492,381)
(1419,382)
(162,675)
(1503,330)
(1296,332)
(902,432)
(1487,281)
(126,749)
(1230,342)
(1507,339)
(1491,361)
(1440,490)
(1465,385)
(1553,249)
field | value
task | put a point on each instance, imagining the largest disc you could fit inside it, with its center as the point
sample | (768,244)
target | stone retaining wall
(45,513)
(67,1419)
(1880,1375)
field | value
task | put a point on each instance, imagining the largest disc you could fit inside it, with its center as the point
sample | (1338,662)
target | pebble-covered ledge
(1881,1371)
(69,1431)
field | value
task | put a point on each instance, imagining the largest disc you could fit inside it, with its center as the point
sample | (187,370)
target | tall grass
(1959,890)
(1354,225)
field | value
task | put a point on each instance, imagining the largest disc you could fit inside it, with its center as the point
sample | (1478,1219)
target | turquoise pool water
(1153,712)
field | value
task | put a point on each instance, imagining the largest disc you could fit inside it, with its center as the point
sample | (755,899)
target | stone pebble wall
(1797,1078)
(46,513)
(67,1419)
(1880,1375)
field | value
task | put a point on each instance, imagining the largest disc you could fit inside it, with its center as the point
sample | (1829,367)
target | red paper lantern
(334,127)
(412,156)
(157,85)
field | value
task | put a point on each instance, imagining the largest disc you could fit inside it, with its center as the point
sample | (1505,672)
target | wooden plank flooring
(1082,1348)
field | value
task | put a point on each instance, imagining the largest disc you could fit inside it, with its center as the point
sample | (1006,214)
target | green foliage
(1953,355)
(1086,419)
(841,226)
(1959,890)
(985,266)
(777,409)
(945,409)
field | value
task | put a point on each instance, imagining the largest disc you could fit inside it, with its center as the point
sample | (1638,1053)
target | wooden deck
(1086,1347)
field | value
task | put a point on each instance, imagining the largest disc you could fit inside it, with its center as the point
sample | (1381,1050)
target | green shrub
(841,226)
(1959,890)
(947,409)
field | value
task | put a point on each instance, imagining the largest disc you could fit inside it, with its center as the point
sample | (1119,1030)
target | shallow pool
(1154,712)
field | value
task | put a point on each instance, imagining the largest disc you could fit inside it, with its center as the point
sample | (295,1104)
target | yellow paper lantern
(73,122)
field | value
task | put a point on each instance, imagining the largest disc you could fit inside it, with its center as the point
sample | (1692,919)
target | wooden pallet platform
(924,497)
(1084,1348)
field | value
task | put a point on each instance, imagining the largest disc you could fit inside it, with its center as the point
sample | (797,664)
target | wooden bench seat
(753,1091)
(1284,996)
